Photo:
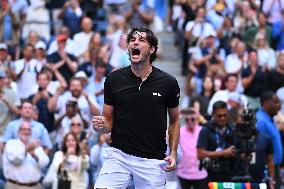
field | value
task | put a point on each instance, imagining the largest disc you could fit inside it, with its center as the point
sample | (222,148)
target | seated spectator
(25,72)
(71,159)
(39,132)
(253,79)
(64,62)
(266,55)
(23,159)
(8,103)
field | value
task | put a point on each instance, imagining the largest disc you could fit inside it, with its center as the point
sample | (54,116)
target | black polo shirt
(140,110)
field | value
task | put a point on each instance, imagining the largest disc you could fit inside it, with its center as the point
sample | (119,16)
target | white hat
(40,45)
(235,96)
(3,46)
(81,74)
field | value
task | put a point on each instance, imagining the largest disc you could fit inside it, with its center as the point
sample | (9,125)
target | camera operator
(216,142)
(254,149)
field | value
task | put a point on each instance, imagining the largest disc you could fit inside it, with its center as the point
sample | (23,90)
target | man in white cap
(40,54)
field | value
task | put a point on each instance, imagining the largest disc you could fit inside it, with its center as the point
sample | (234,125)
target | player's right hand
(98,123)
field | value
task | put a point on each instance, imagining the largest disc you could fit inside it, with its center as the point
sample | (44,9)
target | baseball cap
(2,73)
(81,74)
(61,37)
(3,46)
(40,45)
(235,96)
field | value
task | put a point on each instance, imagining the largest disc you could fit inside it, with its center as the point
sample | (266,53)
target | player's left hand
(171,159)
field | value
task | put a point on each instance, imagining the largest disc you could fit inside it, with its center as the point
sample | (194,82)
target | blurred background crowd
(55,55)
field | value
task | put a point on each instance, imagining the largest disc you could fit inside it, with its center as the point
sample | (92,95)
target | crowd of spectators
(55,55)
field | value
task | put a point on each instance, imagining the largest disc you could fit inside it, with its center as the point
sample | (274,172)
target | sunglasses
(75,124)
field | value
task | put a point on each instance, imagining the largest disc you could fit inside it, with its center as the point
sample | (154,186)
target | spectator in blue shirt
(270,106)
(39,132)
(278,34)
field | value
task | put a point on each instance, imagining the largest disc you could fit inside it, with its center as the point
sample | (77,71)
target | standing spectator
(231,81)
(8,103)
(40,100)
(37,20)
(26,70)
(253,79)
(275,77)
(277,31)
(71,159)
(236,60)
(63,61)
(266,55)
(10,22)
(40,54)
(23,160)
(273,10)
(188,169)
(82,39)
(206,94)
(138,15)
(96,84)
(70,44)
(5,58)
(86,103)
(97,154)
(71,14)
(270,106)
(39,132)
(249,33)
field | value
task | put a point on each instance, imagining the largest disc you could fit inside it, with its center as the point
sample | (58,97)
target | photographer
(216,142)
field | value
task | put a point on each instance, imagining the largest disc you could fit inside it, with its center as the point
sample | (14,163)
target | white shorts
(119,169)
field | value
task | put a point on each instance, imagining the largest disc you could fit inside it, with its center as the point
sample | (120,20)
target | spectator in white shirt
(26,70)
(231,81)
(86,103)
(70,44)
(82,39)
(23,160)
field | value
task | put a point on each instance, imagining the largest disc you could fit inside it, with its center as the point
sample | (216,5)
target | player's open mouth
(135,52)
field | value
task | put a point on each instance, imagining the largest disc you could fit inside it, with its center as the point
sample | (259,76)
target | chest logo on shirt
(156,94)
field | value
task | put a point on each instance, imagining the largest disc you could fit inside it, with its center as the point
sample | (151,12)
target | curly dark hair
(64,147)
(151,38)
